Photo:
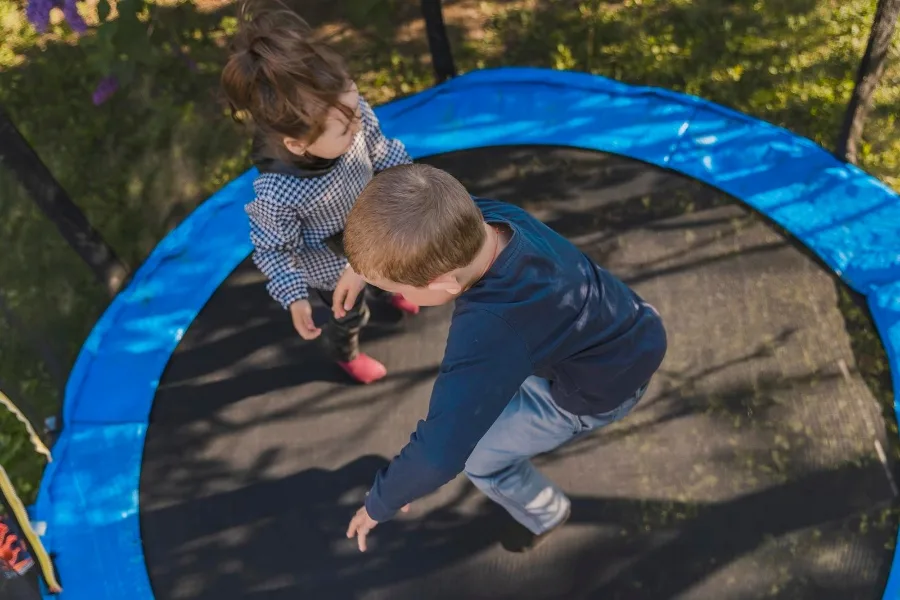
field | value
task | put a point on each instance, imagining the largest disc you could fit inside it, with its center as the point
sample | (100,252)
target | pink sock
(402,304)
(364,369)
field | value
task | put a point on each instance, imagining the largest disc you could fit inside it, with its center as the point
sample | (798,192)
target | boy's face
(443,290)
(339,131)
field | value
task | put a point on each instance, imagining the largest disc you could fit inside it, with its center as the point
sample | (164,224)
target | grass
(139,163)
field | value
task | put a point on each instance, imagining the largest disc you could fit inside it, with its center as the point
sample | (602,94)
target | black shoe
(521,539)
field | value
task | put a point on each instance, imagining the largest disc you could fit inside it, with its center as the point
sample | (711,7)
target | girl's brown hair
(282,76)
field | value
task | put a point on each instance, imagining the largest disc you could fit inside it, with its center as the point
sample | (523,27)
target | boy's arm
(275,233)
(384,152)
(485,363)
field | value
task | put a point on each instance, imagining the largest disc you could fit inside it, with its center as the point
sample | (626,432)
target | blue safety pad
(89,493)
(534,106)
(124,356)
(884,303)
(847,217)
(94,526)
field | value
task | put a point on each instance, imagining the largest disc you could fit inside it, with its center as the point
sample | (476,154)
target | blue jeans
(531,424)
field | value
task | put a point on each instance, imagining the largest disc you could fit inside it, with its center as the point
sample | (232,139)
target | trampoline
(209,452)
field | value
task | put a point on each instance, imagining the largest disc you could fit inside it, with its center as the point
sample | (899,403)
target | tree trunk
(441,55)
(52,199)
(870,71)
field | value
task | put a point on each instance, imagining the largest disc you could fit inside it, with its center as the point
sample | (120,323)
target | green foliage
(136,165)
(131,42)
(790,62)
(18,457)
(132,39)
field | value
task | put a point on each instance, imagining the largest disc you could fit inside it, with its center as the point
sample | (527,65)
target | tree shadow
(749,520)
(210,368)
(284,538)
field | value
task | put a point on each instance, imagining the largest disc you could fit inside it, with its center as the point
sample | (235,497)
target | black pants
(341,336)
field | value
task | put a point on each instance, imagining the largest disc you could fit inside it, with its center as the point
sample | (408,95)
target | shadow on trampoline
(247,323)
(729,404)
(283,539)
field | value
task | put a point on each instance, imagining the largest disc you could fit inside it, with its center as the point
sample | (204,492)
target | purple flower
(70,10)
(105,89)
(38,14)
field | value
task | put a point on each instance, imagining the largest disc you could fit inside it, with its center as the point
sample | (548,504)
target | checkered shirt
(290,217)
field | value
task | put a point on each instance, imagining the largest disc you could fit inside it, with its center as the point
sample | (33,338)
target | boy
(544,345)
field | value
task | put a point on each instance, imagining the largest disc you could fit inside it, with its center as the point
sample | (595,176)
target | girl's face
(339,131)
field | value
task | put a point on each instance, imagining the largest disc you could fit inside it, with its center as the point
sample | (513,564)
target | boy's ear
(446,283)
(294,146)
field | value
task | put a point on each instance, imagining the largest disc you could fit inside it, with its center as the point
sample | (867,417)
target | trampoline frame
(89,495)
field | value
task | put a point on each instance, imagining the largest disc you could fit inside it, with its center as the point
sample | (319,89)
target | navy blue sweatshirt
(542,308)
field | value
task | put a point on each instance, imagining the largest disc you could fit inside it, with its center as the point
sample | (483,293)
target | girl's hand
(301,315)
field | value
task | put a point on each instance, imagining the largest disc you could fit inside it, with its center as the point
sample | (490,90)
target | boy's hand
(348,289)
(301,315)
(361,524)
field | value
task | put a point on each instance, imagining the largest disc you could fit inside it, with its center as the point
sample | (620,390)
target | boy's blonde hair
(412,224)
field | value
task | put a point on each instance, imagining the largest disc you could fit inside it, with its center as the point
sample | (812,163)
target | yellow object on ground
(11,500)
(36,441)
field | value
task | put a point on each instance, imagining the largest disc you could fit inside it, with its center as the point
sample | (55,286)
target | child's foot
(523,540)
(364,369)
(404,305)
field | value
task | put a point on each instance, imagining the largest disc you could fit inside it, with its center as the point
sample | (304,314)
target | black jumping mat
(750,470)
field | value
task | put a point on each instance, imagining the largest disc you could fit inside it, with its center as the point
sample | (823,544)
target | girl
(317,144)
